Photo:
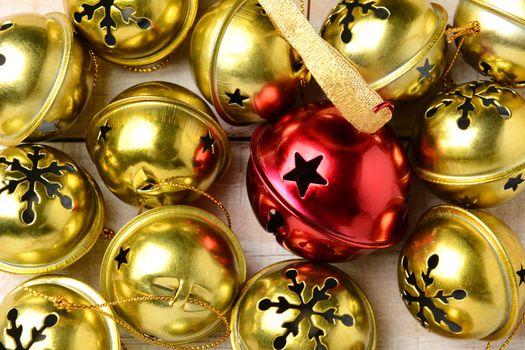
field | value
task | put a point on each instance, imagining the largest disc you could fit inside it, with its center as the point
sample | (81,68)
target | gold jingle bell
(176,251)
(399,47)
(298,304)
(155,133)
(136,33)
(499,49)
(29,320)
(461,274)
(242,65)
(469,147)
(51,210)
(46,77)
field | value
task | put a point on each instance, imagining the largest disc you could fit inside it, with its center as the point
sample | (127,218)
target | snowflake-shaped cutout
(32,176)
(108,23)
(347,7)
(15,331)
(426,301)
(306,311)
(478,91)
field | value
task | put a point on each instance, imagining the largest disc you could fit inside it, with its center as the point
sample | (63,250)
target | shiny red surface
(363,205)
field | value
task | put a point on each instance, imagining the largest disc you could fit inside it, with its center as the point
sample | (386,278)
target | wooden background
(376,274)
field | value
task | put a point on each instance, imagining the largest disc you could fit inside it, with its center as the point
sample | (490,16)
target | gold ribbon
(338,78)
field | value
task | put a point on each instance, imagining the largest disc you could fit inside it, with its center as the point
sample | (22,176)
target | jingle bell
(498,50)
(154,132)
(461,274)
(173,251)
(399,47)
(52,211)
(46,77)
(327,191)
(30,321)
(133,33)
(302,305)
(469,148)
(242,65)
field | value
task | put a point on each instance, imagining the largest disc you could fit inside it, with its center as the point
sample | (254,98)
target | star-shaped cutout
(263,11)
(305,173)
(208,142)
(521,275)
(2,59)
(236,98)
(513,183)
(275,222)
(47,127)
(425,70)
(103,131)
(468,202)
(122,257)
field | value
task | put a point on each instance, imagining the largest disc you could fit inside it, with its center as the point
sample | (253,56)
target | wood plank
(375,273)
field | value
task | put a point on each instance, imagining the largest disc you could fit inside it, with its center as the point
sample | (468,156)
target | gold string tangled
(171,182)
(62,304)
(510,337)
(453,33)
(152,68)
(107,234)
(96,75)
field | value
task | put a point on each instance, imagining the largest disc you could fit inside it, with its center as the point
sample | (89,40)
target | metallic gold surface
(461,274)
(155,132)
(173,250)
(134,33)
(46,77)
(399,47)
(242,65)
(298,304)
(469,148)
(51,211)
(499,50)
(55,329)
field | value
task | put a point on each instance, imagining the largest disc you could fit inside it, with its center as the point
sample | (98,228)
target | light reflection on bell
(155,132)
(173,251)
(46,77)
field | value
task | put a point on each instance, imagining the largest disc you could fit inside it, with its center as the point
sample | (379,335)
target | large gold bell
(499,49)
(399,47)
(302,305)
(51,210)
(461,274)
(134,33)
(29,320)
(46,77)
(242,65)
(153,133)
(173,251)
(469,148)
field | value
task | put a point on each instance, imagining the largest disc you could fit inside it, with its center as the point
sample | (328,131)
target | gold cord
(62,304)
(96,75)
(107,234)
(510,337)
(308,10)
(152,68)
(170,182)
(453,33)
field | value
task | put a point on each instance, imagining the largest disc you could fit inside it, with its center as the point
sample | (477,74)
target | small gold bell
(46,77)
(242,65)
(399,47)
(461,274)
(469,148)
(30,321)
(499,49)
(173,251)
(156,132)
(302,305)
(51,210)
(133,33)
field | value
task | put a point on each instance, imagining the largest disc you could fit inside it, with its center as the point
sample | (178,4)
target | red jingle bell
(326,190)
